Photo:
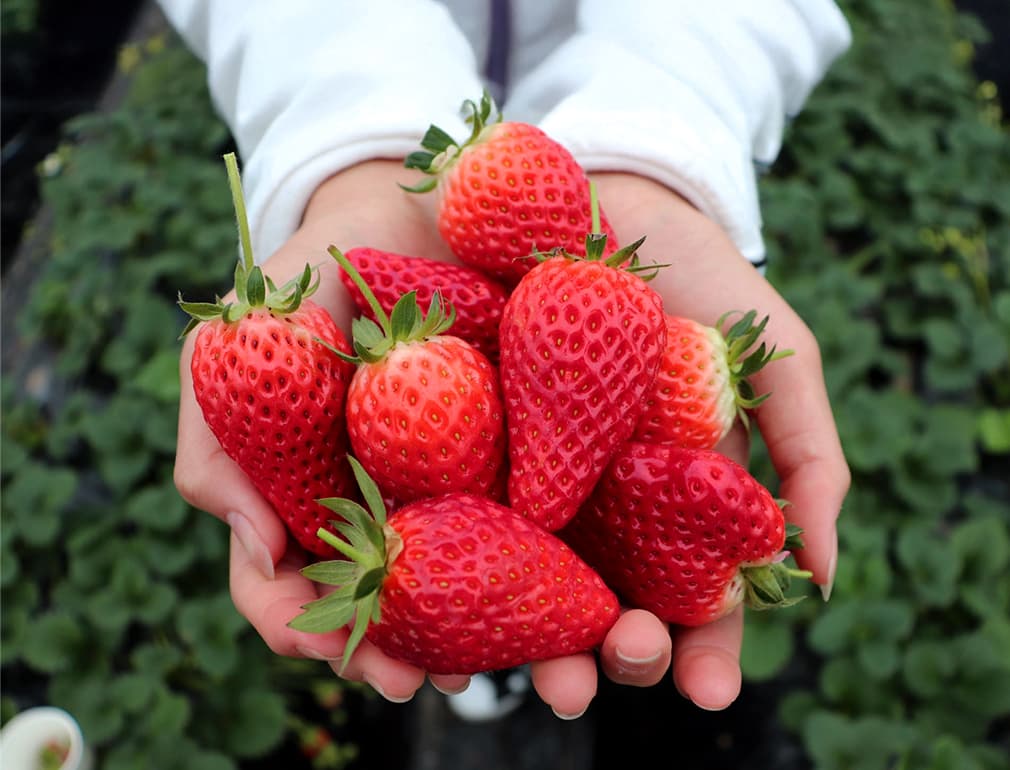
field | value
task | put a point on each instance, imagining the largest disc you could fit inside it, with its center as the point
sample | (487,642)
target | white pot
(25,736)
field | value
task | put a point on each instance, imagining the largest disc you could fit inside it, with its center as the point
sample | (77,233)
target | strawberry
(424,409)
(477,299)
(271,391)
(581,341)
(687,534)
(507,191)
(702,385)
(456,584)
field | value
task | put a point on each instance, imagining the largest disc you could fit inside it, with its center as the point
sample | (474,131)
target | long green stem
(362,284)
(594,207)
(238,199)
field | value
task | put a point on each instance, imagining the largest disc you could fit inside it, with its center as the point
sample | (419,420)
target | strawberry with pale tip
(703,386)
(687,534)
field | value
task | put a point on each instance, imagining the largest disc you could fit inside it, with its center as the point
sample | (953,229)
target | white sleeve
(690,94)
(309,87)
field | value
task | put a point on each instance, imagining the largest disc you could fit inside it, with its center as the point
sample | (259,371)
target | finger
(567,685)
(270,604)
(736,444)
(798,427)
(393,679)
(706,662)
(449,684)
(637,649)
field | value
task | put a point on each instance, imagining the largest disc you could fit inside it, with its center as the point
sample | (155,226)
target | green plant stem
(238,199)
(345,264)
(594,207)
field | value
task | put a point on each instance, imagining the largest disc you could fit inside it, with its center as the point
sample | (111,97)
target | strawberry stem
(594,208)
(253,290)
(348,267)
(238,199)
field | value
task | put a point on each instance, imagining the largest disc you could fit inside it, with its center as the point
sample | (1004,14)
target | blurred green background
(888,225)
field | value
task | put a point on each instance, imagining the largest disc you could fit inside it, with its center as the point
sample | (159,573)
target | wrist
(362,181)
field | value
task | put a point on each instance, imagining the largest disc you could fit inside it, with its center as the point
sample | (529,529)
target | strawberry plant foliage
(887,223)
(114,591)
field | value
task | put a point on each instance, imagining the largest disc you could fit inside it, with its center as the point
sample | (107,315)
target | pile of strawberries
(509,449)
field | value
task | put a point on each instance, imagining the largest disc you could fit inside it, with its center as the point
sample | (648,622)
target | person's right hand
(361,206)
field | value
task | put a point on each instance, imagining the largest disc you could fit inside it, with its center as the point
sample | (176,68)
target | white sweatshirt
(691,94)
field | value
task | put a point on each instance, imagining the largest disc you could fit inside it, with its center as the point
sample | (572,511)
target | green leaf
(876,428)
(928,666)
(767,647)
(256,723)
(133,690)
(870,743)
(994,430)
(159,377)
(932,565)
(36,500)
(167,715)
(54,642)
(210,627)
(155,658)
(879,658)
(831,630)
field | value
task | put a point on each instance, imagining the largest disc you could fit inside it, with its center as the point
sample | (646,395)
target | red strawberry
(271,393)
(477,299)
(684,533)
(702,385)
(456,585)
(424,410)
(581,341)
(507,191)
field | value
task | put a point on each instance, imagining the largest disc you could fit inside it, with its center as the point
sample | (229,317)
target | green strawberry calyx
(405,323)
(253,290)
(765,585)
(440,150)
(743,360)
(370,547)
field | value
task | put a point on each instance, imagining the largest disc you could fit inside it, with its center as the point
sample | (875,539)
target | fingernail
(309,652)
(832,564)
(250,540)
(629,664)
(567,717)
(374,686)
(451,691)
